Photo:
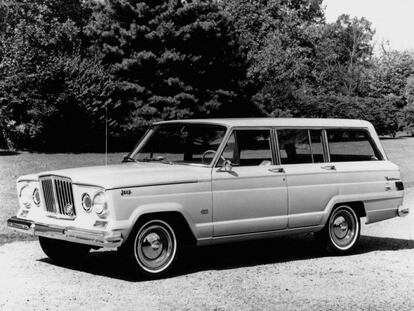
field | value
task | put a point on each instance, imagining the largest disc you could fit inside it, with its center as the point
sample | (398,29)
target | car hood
(127,174)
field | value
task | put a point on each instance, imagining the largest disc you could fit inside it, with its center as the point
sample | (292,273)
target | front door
(252,196)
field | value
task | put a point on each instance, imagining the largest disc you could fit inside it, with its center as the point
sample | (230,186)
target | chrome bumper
(71,234)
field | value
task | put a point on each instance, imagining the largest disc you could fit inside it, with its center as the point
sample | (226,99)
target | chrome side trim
(256,235)
(159,184)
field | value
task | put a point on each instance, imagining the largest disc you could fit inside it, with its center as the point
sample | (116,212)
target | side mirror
(227,166)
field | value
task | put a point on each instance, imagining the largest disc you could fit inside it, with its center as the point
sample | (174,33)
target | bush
(381,112)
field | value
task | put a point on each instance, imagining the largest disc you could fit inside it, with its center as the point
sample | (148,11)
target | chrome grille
(48,194)
(58,195)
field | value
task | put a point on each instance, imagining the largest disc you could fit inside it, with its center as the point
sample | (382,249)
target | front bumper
(71,234)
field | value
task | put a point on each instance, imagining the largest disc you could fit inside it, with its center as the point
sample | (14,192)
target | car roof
(276,122)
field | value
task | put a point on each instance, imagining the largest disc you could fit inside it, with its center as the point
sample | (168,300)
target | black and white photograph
(223,155)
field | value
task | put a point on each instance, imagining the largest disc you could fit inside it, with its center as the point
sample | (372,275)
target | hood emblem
(126,192)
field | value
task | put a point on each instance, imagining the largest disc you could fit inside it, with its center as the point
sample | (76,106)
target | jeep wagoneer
(214,181)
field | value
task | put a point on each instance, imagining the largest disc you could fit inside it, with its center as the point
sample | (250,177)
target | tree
(278,35)
(49,95)
(171,59)
(390,72)
(408,111)
(391,77)
(343,57)
(31,36)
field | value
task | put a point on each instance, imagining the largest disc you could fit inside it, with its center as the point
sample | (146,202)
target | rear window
(351,145)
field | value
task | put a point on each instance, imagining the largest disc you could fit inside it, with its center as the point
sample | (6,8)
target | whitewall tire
(155,248)
(341,232)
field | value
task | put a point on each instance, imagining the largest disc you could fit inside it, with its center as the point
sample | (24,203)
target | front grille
(58,195)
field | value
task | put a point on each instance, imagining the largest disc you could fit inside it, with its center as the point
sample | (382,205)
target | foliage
(381,112)
(343,57)
(70,118)
(85,88)
(27,84)
(171,60)
(47,93)
(280,39)
(390,72)
(70,67)
(408,111)
(392,76)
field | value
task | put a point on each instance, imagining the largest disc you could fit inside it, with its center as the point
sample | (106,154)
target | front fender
(158,208)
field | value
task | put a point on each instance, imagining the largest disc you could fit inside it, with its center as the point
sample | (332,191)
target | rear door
(311,181)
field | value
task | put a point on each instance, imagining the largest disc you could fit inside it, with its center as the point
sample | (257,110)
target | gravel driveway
(280,274)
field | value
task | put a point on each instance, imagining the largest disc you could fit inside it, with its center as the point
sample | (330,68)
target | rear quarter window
(351,145)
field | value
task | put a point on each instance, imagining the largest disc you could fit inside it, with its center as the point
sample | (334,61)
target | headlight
(36,196)
(26,196)
(99,205)
(86,202)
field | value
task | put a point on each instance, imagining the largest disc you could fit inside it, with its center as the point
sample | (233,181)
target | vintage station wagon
(214,181)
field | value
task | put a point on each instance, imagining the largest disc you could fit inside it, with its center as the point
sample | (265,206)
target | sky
(393,20)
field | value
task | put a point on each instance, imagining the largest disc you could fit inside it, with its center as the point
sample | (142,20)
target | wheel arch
(357,206)
(172,216)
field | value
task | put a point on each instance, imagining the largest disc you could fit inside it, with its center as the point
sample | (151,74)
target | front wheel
(341,232)
(155,248)
(64,252)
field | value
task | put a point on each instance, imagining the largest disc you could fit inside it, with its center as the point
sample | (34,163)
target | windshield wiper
(127,158)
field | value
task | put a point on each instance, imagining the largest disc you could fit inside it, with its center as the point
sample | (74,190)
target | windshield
(180,144)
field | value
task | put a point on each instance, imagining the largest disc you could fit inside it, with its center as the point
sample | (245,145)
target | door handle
(276,170)
(329,167)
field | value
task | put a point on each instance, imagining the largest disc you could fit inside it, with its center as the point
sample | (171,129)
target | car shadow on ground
(8,152)
(234,255)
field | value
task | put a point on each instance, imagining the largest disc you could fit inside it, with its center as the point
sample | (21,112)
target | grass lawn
(400,151)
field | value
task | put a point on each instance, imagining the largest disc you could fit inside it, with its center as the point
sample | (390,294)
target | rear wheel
(155,248)
(341,232)
(64,252)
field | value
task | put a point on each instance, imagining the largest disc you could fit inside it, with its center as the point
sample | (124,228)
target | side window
(294,146)
(300,146)
(351,145)
(249,148)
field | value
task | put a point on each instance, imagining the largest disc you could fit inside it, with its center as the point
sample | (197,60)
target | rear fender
(376,206)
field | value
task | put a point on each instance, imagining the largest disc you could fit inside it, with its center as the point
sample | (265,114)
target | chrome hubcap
(343,228)
(340,227)
(155,246)
(152,246)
